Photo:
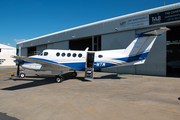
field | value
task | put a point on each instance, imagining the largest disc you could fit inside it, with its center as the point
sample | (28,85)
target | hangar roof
(104,26)
(2,46)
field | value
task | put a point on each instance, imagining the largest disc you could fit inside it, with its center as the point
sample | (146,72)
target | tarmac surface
(108,97)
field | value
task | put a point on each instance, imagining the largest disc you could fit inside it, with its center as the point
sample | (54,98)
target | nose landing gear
(22,75)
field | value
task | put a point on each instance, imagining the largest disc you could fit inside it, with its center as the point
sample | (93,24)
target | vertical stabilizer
(144,42)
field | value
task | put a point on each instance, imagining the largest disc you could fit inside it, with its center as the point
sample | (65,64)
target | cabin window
(57,54)
(79,55)
(63,54)
(0,50)
(100,56)
(69,54)
(45,53)
(74,54)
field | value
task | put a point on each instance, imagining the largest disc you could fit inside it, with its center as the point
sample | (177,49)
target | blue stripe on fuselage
(133,58)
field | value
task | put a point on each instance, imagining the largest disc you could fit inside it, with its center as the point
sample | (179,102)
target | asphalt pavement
(108,97)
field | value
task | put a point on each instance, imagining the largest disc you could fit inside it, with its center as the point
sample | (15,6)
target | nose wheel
(22,75)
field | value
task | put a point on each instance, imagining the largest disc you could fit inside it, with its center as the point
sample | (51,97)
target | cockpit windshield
(40,54)
(43,54)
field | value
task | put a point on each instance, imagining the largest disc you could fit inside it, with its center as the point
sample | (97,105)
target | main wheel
(74,74)
(59,79)
(22,75)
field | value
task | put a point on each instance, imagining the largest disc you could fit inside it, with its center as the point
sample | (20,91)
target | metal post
(19,51)
(97,44)
(92,43)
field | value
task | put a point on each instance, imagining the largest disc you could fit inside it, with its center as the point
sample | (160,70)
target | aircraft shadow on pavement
(50,79)
(112,76)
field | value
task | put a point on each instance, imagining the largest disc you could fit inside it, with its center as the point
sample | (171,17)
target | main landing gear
(74,74)
(60,78)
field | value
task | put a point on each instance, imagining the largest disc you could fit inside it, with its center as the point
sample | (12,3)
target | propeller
(18,63)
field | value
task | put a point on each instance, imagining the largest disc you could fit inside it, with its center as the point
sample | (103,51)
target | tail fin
(144,42)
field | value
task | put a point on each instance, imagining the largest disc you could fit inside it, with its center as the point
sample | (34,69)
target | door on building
(173,51)
(32,51)
(93,42)
(81,44)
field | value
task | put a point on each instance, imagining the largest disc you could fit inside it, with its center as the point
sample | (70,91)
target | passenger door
(89,70)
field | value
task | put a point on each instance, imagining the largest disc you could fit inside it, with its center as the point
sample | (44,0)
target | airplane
(58,61)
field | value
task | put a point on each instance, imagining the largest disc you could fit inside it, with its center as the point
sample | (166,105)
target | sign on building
(134,22)
(162,17)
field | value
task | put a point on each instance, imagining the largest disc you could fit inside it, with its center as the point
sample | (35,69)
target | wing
(46,63)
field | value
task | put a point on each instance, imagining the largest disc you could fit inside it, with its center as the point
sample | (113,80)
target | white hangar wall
(5,53)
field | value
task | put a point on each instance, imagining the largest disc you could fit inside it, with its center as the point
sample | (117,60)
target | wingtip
(165,28)
(12,56)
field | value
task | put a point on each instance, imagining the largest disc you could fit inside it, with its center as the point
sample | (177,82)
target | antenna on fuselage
(87,49)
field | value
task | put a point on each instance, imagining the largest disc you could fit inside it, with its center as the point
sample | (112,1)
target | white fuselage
(74,59)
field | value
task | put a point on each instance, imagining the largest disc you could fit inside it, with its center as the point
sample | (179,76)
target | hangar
(5,53)
(118,33)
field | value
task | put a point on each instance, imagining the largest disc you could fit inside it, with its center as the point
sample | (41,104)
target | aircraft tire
(59,79)
(74,74)
(22,75)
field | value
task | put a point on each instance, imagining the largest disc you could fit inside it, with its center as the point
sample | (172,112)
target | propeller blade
(18,66)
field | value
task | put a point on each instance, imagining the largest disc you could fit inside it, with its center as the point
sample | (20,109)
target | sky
(26,19)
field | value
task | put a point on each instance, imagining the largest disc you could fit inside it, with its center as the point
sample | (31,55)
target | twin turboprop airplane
(58,61)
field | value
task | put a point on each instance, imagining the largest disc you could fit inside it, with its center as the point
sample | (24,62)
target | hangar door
(93,42)
(173,51)
(31,51)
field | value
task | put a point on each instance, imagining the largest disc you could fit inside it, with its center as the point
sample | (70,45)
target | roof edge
(101,21)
